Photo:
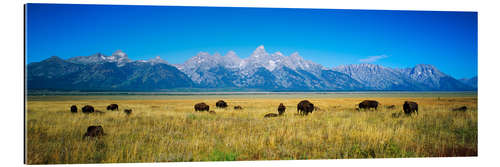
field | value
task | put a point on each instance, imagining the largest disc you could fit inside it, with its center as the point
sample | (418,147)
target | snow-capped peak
(119,53)
(157,60)
(118,57)
(259,52)
(278,53)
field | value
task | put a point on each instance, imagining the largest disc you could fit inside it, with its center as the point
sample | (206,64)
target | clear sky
(447,40)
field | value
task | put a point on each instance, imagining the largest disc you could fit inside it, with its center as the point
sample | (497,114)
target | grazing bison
(74,109)
(87,109)
(368,104)
(211,112)
(201,107)
(281,108)
(270,115)
(305,107)
(391,107)
(128,111)
(112,107)
(410,107)
(463,108)
(94,131)
(221,104)
(238,107)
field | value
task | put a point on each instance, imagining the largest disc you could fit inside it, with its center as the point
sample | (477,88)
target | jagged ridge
(261,70)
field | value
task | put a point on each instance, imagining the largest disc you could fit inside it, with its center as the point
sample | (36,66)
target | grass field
(166,128)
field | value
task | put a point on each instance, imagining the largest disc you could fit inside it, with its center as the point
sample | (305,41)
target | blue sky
(330,37)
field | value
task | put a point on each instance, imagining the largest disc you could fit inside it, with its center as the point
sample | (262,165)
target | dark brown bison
(391,107)
(238,107)
(305,107)
(87,109)
(201,107)
(281,108)
(74,109)
(221,104)
(112,107)
(410,107)
(128,111)
(94,131)
(270,115)
(463,108)
(368,104)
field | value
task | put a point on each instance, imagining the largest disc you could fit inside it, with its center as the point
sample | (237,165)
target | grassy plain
(166,128)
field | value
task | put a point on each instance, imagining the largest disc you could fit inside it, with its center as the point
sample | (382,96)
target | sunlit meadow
(166,128)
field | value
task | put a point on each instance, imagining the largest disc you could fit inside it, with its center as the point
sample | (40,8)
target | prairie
(166,128)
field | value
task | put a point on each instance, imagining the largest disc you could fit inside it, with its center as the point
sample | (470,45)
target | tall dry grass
(170,130)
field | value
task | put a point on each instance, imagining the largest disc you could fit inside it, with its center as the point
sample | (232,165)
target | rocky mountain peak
(157,60)
(260,70)
(119,53)
(295,55)
(53,58)
(259,52)
(421,71)
(118,57)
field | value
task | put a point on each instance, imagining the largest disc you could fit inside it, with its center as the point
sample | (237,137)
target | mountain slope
(88,73)
(472,82)
(420,77)
(260,71)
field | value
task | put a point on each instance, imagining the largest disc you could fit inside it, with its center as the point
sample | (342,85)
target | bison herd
(87,109)
(96,131)
(304,107)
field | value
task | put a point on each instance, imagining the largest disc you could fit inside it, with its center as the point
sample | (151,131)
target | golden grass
(170,130)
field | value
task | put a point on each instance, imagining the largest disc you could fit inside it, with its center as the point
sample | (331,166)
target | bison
(94,131)
(281,108)
(112,107)
(463,108)
(211,112)
(368,104)
(74,109)
(87,109)
(410,107)
(305,107)
(270,115)
(238,107)
(128,111)
(221,104)
(201,107)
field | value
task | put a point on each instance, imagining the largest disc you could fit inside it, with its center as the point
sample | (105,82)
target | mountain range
(260,71)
